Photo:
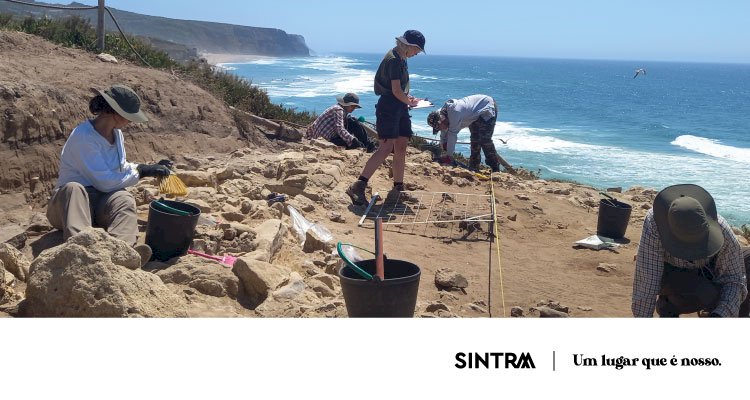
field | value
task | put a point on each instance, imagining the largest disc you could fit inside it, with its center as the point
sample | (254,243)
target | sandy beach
(220,58)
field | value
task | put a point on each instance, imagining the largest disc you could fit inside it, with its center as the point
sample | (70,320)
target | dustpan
(225,260)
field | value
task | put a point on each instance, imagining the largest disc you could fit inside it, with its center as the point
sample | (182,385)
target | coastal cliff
(195,36)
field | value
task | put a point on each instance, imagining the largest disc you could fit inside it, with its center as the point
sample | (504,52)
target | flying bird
(639,71)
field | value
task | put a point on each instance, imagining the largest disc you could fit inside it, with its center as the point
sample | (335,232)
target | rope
(87,8)
(125,37)
(53,7)
(292,124)
(489,264)
(437,140)
(497,242)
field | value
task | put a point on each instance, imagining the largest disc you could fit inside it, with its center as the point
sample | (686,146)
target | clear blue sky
(670,30)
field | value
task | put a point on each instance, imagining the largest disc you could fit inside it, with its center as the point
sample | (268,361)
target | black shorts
(392,118)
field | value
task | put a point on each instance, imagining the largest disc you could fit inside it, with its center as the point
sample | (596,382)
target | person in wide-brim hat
(337,125)
(688,223)
(688,259)
(124,101)
(94,172)
(348,100)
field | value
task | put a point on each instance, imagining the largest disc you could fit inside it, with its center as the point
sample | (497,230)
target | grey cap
(349,99)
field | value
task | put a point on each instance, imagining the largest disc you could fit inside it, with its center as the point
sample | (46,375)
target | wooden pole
(100,26)
(379,261)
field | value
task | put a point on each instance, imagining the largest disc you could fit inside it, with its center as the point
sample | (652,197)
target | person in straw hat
(94,171)
(689,259)
(392,116)
(337,125)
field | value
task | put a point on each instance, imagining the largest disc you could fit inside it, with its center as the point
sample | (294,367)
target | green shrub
(745,232)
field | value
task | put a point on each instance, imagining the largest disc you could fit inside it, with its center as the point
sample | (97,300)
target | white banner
(372,358)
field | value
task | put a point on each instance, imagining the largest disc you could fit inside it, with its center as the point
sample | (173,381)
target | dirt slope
(44,92)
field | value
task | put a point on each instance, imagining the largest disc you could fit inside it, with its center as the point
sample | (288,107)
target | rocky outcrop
(206,276)
(15,262)
(91,275)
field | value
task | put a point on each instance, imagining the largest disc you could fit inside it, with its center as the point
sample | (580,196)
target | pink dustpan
(225,260)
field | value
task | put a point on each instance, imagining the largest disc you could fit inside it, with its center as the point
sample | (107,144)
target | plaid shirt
(329,124)
(729,271)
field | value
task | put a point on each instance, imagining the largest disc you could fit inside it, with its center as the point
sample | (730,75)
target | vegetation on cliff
(78,33)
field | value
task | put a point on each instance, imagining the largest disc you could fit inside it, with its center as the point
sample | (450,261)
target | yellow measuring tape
(497,242)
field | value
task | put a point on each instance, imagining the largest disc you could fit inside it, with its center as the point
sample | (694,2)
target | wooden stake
(379,262)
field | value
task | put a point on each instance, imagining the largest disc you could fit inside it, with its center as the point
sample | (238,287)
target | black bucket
(168,234)
(613,218)
(394,297)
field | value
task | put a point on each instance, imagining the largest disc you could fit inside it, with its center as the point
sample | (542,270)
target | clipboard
(423,104)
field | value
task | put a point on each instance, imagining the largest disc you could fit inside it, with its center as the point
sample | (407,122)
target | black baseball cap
(413,38)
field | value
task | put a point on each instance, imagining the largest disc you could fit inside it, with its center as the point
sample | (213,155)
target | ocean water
(582,120)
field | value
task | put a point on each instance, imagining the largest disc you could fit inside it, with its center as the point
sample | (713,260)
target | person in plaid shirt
(689,259)
(332,125)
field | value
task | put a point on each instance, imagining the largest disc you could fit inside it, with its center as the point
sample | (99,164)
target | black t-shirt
(391,68)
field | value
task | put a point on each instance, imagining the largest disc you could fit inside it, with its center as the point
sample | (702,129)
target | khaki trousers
(74,207)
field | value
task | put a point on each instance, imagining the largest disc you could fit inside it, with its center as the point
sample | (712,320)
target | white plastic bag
(302,225)
(351,253)
(597,242)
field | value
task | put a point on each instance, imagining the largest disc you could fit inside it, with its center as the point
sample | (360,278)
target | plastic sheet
(596,242)
(301,225)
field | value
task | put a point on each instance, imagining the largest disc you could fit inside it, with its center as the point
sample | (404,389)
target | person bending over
(478,113)
(689,259)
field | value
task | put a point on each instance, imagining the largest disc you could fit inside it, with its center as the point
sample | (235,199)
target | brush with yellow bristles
(172,185)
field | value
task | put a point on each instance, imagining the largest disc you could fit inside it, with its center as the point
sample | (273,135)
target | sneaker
(145,252)
(356,192)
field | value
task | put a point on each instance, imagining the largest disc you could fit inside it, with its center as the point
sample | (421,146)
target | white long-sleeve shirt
(89,159)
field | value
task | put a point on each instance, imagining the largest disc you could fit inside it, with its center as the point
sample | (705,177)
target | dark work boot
(356,192)
(399,195)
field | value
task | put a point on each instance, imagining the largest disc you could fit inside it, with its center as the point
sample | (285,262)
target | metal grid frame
(432,214)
